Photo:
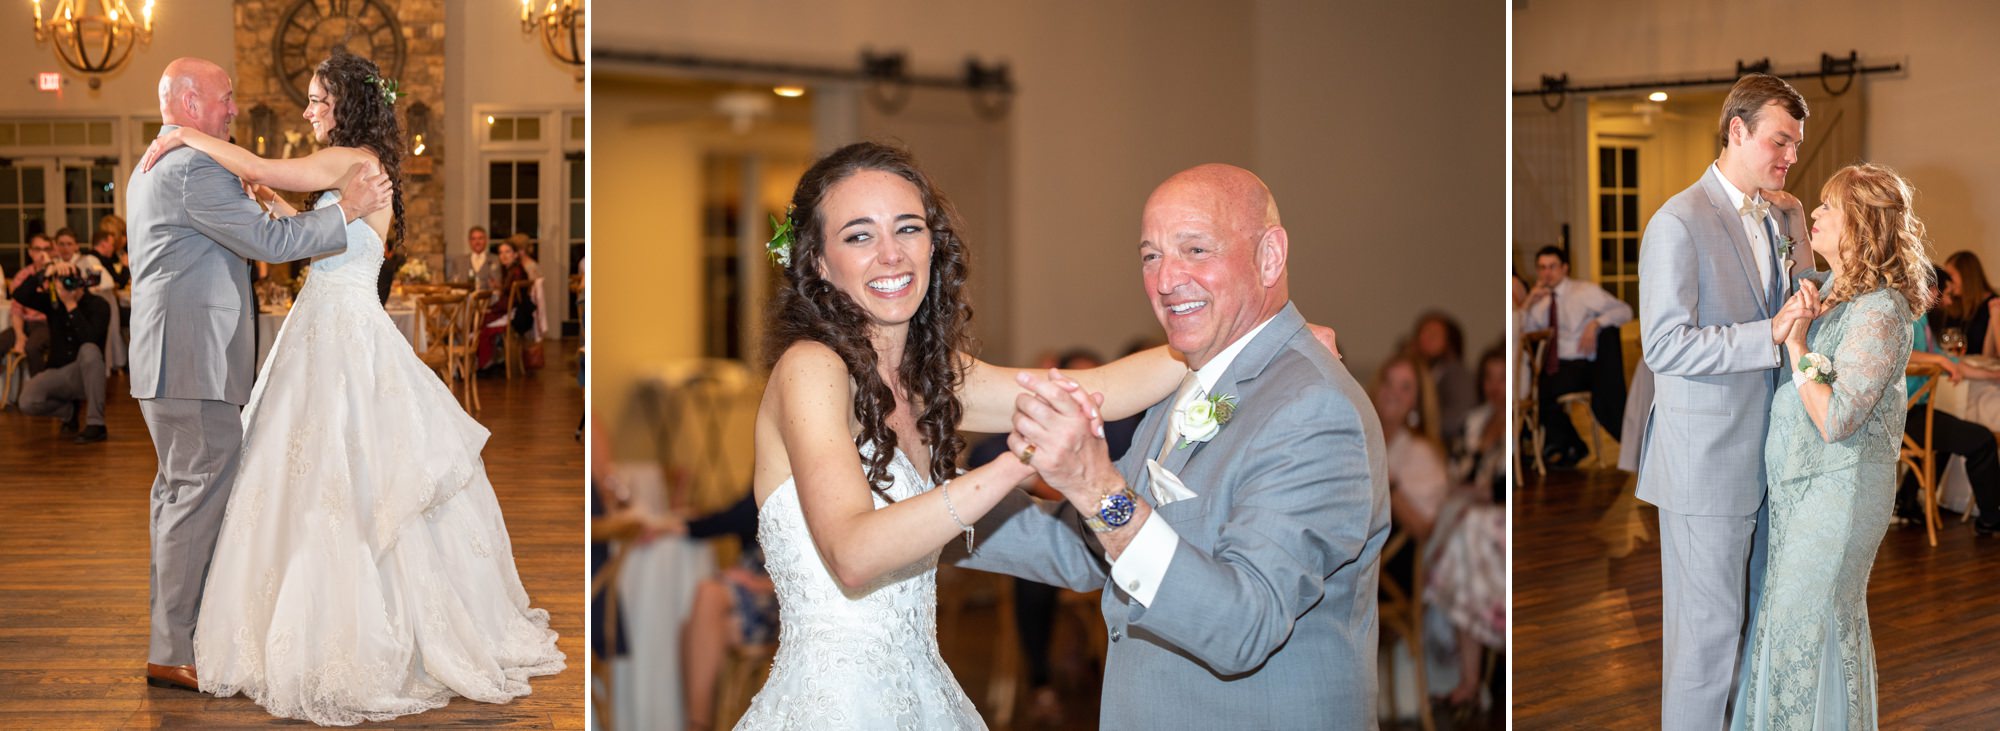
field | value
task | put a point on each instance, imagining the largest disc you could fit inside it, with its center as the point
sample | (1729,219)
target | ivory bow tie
(1754,206)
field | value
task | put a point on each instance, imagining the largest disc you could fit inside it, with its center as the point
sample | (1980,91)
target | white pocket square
(1166,486)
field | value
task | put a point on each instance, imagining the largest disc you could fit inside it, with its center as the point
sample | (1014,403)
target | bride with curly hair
(363,570)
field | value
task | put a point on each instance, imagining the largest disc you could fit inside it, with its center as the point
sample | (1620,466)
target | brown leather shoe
(172,676)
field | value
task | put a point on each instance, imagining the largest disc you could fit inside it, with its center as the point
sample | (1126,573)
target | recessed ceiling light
(789,92)
(1658,96)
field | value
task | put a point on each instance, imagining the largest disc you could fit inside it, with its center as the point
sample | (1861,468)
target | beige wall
(1933,123)
(493,64)
(203,28)
(1379,130)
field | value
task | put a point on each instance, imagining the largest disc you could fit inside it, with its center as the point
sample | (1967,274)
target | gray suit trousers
(50,392)
(1705,563)
(197,443)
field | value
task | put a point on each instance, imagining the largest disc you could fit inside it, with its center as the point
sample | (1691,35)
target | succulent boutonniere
(1201,418)
(779,248)
(1785,247)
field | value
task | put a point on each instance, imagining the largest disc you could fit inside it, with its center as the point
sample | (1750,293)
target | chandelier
(560,24)
(94,43)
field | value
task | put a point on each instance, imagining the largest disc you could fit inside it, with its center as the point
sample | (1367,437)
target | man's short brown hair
(1753,92)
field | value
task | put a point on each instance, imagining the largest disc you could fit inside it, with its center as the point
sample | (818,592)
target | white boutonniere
(1201,418)
(1817,368)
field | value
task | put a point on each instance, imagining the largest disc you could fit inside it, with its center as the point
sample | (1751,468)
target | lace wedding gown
(1812,663)
(363,571)
(861,659)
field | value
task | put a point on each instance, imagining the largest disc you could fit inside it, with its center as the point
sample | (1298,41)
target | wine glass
(1953,341)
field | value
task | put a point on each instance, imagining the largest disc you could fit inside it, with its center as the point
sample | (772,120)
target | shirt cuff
(1140,569)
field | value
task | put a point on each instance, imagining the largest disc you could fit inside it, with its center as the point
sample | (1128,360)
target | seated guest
(736,608)
(479,265)
(106,246)
(1973,303)
(1479,453)
(29,331)
(111,222)
(1461,530)
(77,325)
(521,314)
(1577,313)
(1952,435)
(1440,345)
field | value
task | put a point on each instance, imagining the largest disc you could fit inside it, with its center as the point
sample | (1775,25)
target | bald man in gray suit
(192,229)
(1238,555)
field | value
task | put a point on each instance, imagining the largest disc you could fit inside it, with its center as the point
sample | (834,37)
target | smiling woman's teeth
(1187,307)
(891,285)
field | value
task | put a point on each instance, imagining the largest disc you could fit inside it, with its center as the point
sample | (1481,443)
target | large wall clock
(311,29)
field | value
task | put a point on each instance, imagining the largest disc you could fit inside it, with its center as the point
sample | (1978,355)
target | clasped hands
(1059,432)
(1796,316)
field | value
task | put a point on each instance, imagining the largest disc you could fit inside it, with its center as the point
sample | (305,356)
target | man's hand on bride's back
(367,191)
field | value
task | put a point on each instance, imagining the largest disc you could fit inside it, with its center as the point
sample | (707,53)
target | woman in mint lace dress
(1831,457)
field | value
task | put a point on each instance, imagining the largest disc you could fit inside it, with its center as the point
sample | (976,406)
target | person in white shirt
(1583,354)
(479,265)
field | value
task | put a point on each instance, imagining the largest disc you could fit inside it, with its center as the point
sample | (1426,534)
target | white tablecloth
(268,323)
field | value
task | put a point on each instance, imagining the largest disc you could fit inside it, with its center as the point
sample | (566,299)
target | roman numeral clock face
(311,29)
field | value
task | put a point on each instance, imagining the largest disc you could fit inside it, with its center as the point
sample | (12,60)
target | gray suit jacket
(1705,328)
(486,277)
(1266,617)
(192,229)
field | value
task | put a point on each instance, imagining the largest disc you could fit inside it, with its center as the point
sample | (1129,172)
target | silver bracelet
(945,489)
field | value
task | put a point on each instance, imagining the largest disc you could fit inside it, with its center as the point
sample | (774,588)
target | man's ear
(1272,251)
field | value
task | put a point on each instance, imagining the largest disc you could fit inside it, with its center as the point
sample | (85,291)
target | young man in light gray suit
(191,352)
(1238,555)
(1715,272)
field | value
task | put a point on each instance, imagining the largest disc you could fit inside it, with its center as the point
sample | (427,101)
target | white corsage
(1816,368)
(1201,418)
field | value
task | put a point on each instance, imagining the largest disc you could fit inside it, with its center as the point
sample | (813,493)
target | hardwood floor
(1586,618)
(73,566)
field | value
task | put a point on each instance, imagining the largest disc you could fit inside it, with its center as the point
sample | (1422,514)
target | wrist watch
(1113,511)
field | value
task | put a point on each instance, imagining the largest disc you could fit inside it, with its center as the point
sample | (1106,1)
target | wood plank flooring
(1587,614)
(73,566)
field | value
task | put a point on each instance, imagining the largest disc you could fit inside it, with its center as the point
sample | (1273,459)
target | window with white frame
(1618,219)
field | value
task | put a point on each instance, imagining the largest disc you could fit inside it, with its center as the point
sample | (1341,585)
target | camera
(79,278)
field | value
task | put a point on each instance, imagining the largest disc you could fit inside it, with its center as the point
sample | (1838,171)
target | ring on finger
(1028,455)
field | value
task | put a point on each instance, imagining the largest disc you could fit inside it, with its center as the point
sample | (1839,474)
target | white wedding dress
(861,659)
(363,570)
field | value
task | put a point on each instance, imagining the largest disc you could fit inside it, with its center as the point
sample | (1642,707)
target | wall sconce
(263,129)
(423,147)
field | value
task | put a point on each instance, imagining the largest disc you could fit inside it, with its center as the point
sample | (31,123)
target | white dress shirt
(1760,240)
(1760,243)
(477,261)
(1577,303)
(1140,569)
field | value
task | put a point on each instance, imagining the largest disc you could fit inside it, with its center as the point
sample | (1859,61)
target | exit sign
(48,81)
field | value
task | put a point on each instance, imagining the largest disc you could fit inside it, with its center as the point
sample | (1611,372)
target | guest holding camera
(77,325)
(29,331)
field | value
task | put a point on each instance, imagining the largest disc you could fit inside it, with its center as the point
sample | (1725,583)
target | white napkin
(1166,486)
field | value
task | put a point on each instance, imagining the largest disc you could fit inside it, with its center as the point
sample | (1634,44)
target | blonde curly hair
(1882,239)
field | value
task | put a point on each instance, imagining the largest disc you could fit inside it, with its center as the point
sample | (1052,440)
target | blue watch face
(1117,509)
